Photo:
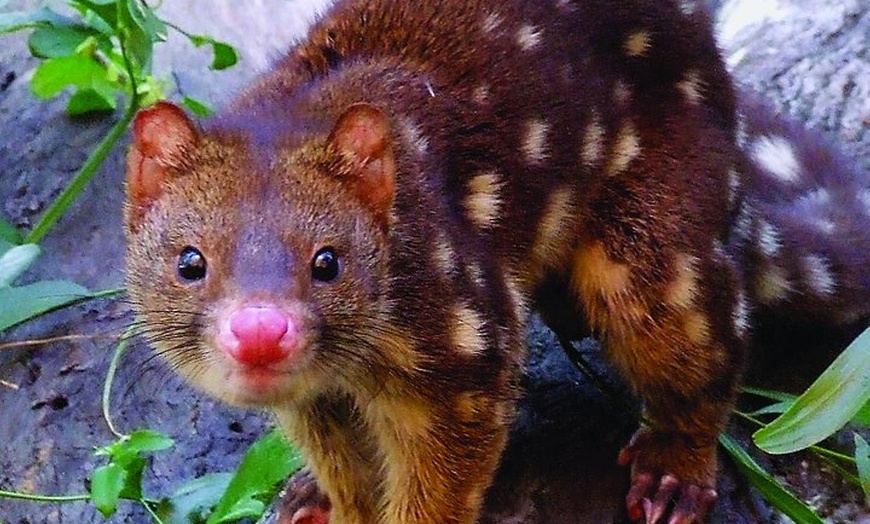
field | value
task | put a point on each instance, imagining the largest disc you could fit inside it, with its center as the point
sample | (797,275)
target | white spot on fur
(593,141)
(814,200)
(535,141)
(637,43)
(681,291)
(819,276)
(528,37)
(444,256)
(483,202)
(741,134)
(414,136)
(743,223)
(554,221)
(815,207)
(475,274)
(772,285)
(740,315)
(466,330)
(491,23)
(776,156)
(688,7)
(627,148)
(481,94)
(692,86)
(768,239)
(514,291)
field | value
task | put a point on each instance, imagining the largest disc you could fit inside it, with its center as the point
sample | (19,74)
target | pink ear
(362,134)
(161,135)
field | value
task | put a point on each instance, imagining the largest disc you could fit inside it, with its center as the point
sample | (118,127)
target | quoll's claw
(304,502)
(655,498)
(649,500)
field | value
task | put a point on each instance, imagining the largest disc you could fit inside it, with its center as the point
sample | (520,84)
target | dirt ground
(811,58)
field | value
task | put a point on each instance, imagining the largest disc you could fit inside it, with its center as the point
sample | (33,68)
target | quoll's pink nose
(259,331)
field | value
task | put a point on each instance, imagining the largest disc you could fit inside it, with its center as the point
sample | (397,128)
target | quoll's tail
(803,225)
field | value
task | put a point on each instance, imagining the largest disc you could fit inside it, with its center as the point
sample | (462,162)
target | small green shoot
(267,463)
(121,478)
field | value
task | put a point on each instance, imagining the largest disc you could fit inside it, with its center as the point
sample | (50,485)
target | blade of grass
(826,406)
(772,490)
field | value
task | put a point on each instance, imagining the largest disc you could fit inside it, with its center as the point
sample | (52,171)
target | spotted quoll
(357,241)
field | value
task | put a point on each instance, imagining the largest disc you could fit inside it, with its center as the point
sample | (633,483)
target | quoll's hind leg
(340,454)
(666,301)
(670,331)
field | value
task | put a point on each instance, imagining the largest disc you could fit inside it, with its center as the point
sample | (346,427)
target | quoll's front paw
(303,502)
(671,479)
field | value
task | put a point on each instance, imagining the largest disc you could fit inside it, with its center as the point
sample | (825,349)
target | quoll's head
(250,267)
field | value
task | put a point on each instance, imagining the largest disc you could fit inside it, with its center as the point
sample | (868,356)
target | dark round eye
(191,264)
(324,265)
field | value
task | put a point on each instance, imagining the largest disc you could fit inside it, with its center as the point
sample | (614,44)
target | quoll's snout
(259,335)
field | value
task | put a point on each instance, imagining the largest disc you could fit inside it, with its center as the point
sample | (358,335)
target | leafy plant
(103,55)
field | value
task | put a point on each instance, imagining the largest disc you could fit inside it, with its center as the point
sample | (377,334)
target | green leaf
(136,38)
(772,490)
(225,55)
(102,15)
(106,485)
(190,502)
(88,100)
(18,304)
(197,107)
(15,261)
(17,20)
(55,74)
(10,233)
(863,416)
(828,404)
(54,41)
(147,441)
(268,461)
(862,461)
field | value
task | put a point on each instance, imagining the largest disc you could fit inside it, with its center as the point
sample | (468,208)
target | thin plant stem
(43,498)
(82,177)
(110,378)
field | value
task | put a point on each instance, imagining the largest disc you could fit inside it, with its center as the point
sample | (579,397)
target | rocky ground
(810,57)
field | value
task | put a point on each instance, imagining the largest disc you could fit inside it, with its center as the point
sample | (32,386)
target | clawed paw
(662,498)
(304,502)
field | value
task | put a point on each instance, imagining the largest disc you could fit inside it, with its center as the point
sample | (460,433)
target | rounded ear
(362,135)
(162,134)
(310,515)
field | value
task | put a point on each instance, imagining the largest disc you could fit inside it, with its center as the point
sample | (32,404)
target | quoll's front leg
(342,460)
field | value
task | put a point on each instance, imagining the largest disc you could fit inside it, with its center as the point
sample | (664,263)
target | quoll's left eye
(324,265)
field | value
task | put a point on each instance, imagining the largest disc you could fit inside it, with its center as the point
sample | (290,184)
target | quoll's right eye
(191,264)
